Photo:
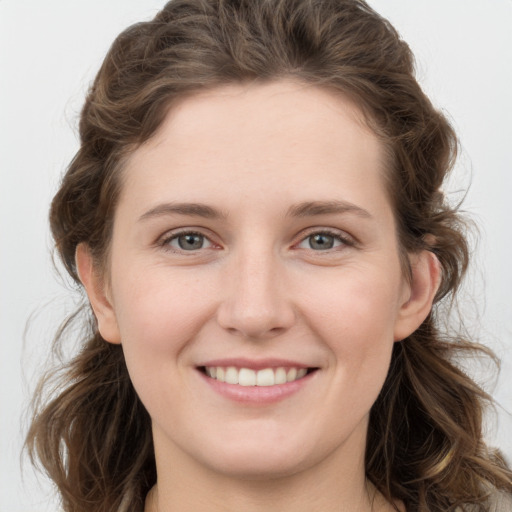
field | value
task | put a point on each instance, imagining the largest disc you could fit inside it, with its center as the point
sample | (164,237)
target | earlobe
(101,303)
(425,281)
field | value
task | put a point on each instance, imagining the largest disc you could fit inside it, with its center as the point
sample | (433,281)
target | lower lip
(257,395)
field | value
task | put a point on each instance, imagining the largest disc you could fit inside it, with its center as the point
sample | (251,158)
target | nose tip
(256,305)
(255,321)
(254,330)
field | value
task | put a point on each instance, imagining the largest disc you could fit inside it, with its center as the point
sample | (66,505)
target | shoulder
(500,502)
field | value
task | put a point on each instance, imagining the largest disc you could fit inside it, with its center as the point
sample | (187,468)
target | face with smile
(254,280)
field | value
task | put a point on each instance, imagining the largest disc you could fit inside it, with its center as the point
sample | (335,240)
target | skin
(257,288)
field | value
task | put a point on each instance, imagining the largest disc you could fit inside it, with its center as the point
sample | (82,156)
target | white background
(50,51)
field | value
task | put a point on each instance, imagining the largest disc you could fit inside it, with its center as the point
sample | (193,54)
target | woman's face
(254,241)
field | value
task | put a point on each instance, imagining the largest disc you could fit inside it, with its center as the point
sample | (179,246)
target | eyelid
(164,240)
(343,236)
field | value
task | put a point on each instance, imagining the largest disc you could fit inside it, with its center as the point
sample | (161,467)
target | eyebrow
(190,209)
(313,208)
(304,209)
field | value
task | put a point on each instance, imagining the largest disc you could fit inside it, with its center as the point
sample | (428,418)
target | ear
(417,304)
(98,295)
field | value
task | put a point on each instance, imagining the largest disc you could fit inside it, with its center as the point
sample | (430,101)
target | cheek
(355,317)
(158,323)
(158,315)
(357,307)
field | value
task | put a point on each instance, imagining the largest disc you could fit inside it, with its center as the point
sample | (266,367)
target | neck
(330,486)
(372,502)
(258,497)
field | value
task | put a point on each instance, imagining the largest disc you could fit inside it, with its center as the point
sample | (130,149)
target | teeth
(211,371)
(231,375)
(291,375)
(265,377)
(280,377)
(248,377)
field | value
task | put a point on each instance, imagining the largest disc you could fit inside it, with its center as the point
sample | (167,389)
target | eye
(323,241)
(187,241)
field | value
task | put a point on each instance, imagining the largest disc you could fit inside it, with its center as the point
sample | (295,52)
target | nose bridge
(256,303)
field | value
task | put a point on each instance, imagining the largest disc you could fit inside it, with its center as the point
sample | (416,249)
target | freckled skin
(255,284)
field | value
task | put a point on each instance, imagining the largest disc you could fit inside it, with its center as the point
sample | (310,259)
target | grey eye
(321,241)
(190,241)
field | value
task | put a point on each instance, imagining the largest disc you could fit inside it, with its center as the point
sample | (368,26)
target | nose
(255,300)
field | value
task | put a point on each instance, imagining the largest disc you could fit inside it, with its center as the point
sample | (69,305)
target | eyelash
(166,241)
(336,235)
(344,240)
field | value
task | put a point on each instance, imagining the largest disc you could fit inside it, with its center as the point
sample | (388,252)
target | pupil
(321,241)
(190,242)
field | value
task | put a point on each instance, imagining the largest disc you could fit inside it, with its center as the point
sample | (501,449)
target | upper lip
(255,364)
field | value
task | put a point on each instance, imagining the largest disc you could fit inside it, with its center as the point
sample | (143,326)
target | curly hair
(90,432)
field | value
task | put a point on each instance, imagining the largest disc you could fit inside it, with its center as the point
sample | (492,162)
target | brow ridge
(191,209)
(313,208)
(303,209)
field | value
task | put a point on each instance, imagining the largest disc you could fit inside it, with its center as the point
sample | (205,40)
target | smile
(248,377)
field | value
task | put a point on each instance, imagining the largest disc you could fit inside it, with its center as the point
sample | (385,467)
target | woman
(255,213)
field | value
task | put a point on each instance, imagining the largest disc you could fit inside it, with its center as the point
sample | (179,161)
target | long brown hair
(90,431)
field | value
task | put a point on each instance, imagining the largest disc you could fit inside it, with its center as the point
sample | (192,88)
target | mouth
(264,377)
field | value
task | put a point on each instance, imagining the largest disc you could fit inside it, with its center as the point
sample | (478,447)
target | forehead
(286,135)
(264,113)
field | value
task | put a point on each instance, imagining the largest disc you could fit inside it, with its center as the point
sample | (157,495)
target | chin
(251,459)
(260,468)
